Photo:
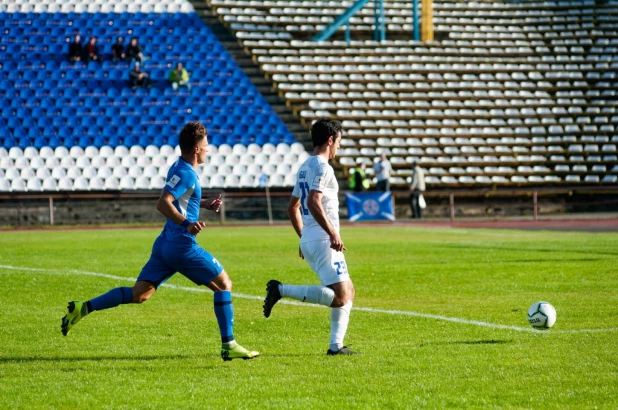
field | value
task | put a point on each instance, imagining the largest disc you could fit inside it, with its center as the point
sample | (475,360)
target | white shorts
(326,262)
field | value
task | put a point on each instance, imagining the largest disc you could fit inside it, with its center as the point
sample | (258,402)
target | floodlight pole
(416,33)
(344,19)
(379,32)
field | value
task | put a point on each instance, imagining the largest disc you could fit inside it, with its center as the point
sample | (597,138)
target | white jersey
(316,174)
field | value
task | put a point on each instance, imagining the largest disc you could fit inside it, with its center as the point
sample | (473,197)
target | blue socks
(111,299)
(224,309)
(225,315)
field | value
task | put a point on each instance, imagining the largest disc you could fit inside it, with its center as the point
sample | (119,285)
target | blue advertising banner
(370,206)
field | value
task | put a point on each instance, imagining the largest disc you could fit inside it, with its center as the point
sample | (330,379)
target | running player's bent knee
(343,296)
(339,301)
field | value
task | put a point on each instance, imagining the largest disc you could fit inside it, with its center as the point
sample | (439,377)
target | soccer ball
(542,315)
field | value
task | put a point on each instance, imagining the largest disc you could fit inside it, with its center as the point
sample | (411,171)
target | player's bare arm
(296,218)
(165,205)
(212,204)
(314,203)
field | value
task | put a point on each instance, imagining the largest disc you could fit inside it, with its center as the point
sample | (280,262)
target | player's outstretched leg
(75,312)
(276,290)
(272,296)
(78,310)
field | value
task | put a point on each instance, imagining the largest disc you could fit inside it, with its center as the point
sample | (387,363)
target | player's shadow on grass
(469,342)
(97,358)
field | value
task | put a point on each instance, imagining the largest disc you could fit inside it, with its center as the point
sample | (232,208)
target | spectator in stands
(91,51)
(118,53)
(383,170)
(358,179)
(417,187)
(134,51)
(138,77)
(179,77)
(75,49)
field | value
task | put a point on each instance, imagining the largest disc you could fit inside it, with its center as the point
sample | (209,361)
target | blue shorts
(188,258)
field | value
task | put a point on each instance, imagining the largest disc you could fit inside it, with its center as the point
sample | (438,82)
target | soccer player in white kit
(314,213)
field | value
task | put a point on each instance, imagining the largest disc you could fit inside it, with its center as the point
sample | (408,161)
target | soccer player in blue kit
(176,249)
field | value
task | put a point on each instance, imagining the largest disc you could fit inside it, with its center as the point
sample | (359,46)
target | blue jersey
(184,184)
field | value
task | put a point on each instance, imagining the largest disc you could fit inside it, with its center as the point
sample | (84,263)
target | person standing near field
(176,249)
(314,212)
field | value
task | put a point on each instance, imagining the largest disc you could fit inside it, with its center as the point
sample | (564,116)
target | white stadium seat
(76,152)
(127,182)
(96,183)
(34,184)
(61,152)
(216,181)
(231,181)
(151,151)
(111,183)
(135,171)
(113,161)
(157,182)
(142,182)
(18,185)
(91,152)
(41,173)
(247,181)
(106,151)
(15,152)
(5,185)
(121,151)
(74,172)
(120,172)
(31,152)
(27,173)
(22,163)
(65,184)
(49,184)
(104,172)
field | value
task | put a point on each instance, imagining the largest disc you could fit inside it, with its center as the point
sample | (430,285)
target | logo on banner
(371,207)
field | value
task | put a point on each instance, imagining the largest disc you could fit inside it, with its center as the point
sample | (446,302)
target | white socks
(310,294)
(339,319)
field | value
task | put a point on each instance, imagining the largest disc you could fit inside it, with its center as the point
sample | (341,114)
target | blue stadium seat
(9,142)
(40,142)
(85,141)
(69,141)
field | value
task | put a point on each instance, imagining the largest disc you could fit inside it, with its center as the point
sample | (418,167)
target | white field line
(288,302)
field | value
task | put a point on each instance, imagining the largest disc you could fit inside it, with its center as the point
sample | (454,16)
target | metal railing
(264,204)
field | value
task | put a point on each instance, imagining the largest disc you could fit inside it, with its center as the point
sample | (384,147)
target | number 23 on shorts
(342,269)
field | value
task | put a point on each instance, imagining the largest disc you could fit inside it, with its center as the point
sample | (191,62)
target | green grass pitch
(165,353)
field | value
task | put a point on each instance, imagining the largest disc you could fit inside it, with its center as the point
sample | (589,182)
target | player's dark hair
(324,128)
(190,135)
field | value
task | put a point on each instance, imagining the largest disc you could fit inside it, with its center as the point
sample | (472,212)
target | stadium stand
(81,126)
(513,93)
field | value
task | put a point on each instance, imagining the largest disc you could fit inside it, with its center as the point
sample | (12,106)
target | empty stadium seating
(107,168)
(514,93)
